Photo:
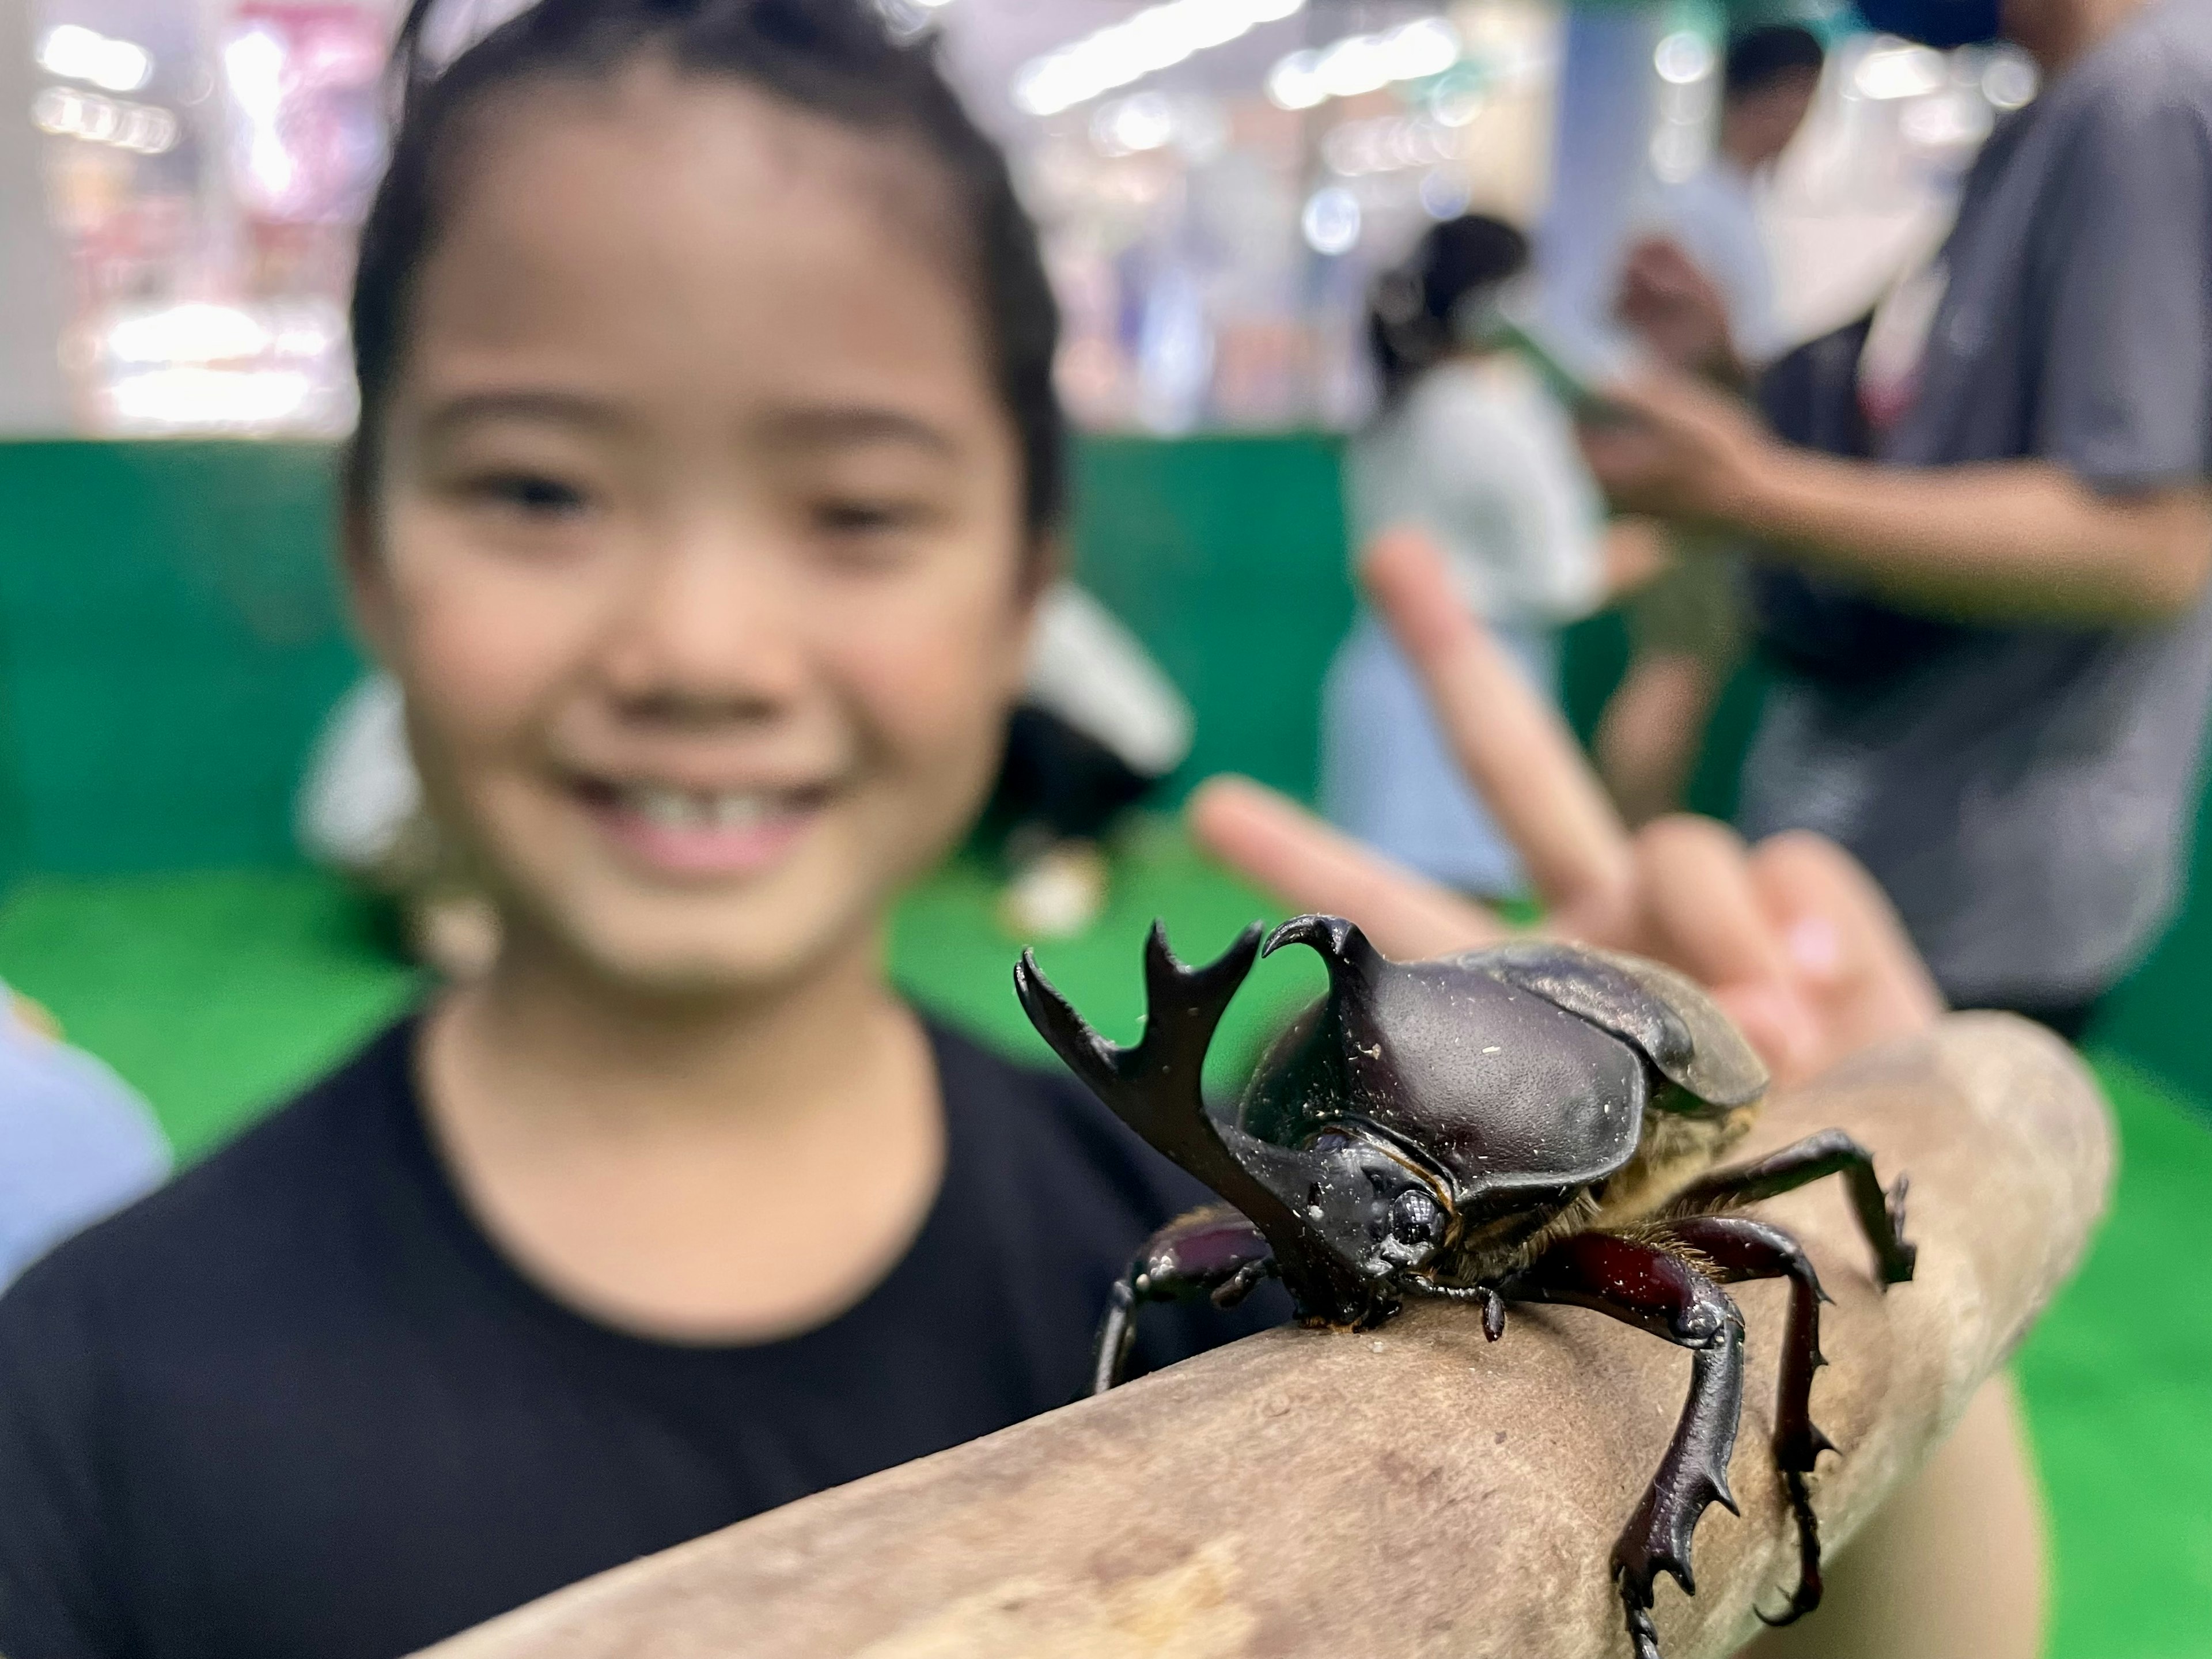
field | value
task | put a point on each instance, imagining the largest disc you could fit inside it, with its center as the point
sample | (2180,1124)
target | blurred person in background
(1995,647)
(1700,294)
(705,562)
(1469,446)
(1707,230)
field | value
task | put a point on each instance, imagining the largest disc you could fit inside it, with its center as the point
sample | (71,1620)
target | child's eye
(533,495)
(858,516)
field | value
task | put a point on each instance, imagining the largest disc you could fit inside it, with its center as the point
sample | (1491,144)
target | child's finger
(1842,935)
(1277,844)
(1694,876)
(1703,915)
(1512,744)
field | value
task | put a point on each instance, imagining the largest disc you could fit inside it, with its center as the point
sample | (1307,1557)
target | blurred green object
(1226,556)
(217,993)
(170,636)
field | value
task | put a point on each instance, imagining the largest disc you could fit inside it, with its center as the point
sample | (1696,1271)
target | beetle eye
(1414,1219)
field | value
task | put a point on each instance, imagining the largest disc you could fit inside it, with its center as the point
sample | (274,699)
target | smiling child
(706,481)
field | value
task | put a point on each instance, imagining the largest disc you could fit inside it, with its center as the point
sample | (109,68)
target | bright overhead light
(1427,47)
(2010,80)
(1683,57)
(1901,71)
(1364,63)
(75,53)
(1388,143)
(1293,83)
(1156,37)
(1142,121)
(209,399)
(68,113)
(188,333)
(1331,220)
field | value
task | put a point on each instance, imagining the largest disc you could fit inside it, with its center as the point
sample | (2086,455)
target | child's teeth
(671,809)
(737,812)
(680,809)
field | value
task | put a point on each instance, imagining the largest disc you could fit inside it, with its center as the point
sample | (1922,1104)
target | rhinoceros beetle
(1536,1123)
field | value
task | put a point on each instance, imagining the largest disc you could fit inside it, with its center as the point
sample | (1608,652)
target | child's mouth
(684,831)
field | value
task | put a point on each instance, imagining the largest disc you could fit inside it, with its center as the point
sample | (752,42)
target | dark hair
(831,58)
(1410,310)
(1758,57)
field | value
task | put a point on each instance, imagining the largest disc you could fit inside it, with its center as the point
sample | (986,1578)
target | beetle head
(1372,1207)
(1369,1204)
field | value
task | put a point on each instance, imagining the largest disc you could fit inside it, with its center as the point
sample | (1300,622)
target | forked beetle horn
(1154,1087)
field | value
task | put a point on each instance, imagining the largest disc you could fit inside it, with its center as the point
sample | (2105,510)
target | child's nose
(710,620)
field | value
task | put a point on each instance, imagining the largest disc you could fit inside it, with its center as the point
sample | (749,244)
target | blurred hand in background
(1677,311)
(1677,449)
(1791,936)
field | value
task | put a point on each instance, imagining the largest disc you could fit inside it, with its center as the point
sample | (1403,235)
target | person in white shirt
(1469,447)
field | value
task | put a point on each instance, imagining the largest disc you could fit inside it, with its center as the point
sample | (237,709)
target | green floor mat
(218,993)
(2118,1382)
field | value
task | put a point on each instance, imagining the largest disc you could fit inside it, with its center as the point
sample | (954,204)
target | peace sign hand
(1792,937)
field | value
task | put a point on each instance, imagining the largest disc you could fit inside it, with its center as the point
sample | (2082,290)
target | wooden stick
(1415,1491)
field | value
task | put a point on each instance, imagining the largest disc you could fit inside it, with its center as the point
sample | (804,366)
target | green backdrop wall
(170,633)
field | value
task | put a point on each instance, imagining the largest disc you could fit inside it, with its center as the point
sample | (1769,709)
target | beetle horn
(1339,943)
(1154,1086)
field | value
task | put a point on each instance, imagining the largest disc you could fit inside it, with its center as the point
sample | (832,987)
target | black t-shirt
(297,1403)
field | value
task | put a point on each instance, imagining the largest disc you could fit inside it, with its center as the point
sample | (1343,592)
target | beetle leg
(1212,1252)
(1741,1248)
(1645,1284)
(1829,1152)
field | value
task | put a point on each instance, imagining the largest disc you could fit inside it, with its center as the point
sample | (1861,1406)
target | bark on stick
(1415,1491)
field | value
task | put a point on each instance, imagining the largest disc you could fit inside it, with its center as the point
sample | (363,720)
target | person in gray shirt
(1995,634)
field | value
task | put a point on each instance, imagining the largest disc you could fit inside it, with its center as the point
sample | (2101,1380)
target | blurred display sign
(306,137)
(207,167)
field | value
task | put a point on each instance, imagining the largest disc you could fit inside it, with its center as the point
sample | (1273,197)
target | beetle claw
(1493,1316)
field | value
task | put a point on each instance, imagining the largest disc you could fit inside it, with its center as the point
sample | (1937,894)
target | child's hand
(1792,937)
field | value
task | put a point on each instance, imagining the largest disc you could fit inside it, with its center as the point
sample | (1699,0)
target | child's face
(698,545)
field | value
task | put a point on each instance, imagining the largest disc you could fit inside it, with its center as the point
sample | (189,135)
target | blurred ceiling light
(254,64)
(1459,97)
(189,333)
(1364,63)
(2010,79)
(209,399)
(1683,57)
(1388,143)
(68,113)
(1954,123)
(1895,70)
(1153,38)
(1331,220)
(1145,120)
(75,53)
(1445,192)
